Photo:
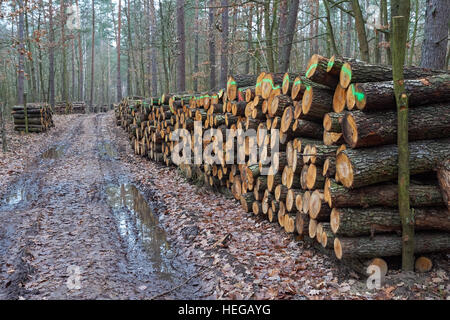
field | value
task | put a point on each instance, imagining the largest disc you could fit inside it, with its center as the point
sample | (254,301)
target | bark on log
(354,71)
(353,222)
(363,129)
(317,102)
(376,96)
(322,71)
(239,81)
(357,168)
(389,245)
(385,195)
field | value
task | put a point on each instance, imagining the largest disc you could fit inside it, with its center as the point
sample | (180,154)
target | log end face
(350,130)
(423,264)
(334,220)
(337,248)
(339,99)
(307,100)
(312,228)
(345,76)
(344,170)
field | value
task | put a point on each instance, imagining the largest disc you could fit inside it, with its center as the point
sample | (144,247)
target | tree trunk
(224,49)
(361,31)
(354,71)
(434,45)
(399,38)
(288,36)
(21,51)
(51,57)
(212,48)
(181,44)
(91,100)
(363,167)
(119,29)
(389,245)
(363,129)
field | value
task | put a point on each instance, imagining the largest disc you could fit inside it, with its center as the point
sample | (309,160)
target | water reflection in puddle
(17,196)
(53,153)
(138,225)
(106,149)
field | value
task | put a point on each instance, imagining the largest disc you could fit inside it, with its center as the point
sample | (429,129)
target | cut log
(301,223)
(333,138)
(304,128)
(247,201)
(321,70)
(317,102)
(363,129)
(318,208)
(423,264)
(278,105)
(389,245)
(332,121)
(291,198)
(385,195)
(363,167)
(359,71)
(376,96)
(358,222)
(239,81)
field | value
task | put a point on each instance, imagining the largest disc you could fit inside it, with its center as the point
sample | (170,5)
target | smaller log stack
(38,117)
(63,108)
(79,107)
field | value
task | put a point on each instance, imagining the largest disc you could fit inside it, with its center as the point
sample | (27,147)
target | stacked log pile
(63,108)
(37,117)
(325,184)
(79,107)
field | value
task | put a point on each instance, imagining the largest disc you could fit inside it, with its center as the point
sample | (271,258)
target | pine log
(376,96)
(278,105)
(362,167)
(370,221)
(239,81)
(321,70)
(354,70)
(385,195)
(332,121)
(317,102)
(389,245)
(305,128)
(363,129)
(318,207)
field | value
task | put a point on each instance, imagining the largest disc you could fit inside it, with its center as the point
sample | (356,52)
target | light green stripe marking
(347,71)
(359,95)
(310,69)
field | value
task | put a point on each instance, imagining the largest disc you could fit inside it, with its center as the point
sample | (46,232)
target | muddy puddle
(55,152)
(17,196)
(139,227)
(107,150)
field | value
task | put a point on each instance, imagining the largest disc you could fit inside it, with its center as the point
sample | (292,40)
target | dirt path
(75,211)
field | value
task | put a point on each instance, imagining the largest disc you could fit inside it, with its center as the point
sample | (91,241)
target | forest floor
(84,218)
